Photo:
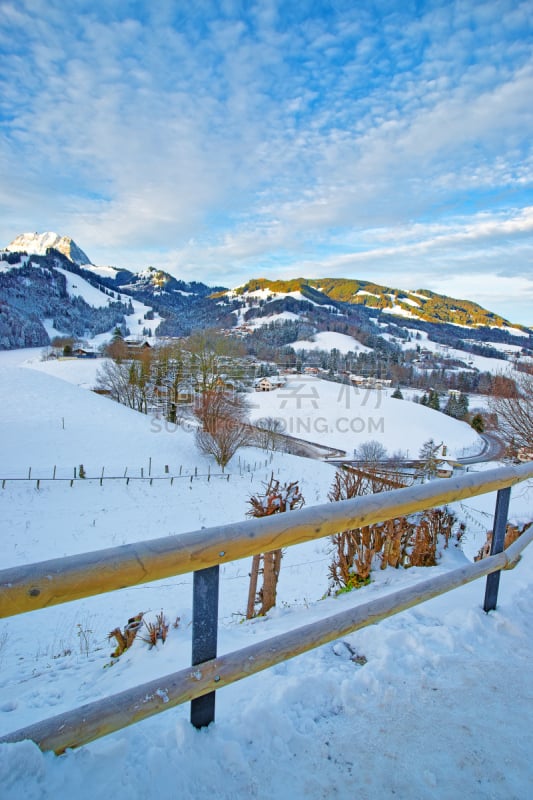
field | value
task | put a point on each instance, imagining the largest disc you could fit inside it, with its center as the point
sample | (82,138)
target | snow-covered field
(483,363)
(440,709)
(345,416)
(327,340)
(259,322)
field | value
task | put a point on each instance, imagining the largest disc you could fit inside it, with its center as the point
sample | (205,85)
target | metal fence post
(498,540)
(204,637)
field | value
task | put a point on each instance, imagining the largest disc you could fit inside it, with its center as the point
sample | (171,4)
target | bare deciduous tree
(224,428)
(513,405)
(267,433)
(125,382)
(371,452)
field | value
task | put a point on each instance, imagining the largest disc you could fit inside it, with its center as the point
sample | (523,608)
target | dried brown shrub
(512,533)
(126,637)
(276,499)
(157,631)
(401,542)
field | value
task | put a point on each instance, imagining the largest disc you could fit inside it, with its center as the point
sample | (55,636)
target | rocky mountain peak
(38,243)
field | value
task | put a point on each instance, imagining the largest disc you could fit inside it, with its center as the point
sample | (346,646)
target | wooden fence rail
(39,585)
(60,580)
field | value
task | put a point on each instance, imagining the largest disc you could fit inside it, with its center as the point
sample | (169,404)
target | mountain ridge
(420,303)
(187,306)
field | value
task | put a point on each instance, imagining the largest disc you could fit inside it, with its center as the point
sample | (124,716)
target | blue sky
(387,141)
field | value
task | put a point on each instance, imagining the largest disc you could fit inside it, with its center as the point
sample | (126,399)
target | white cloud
(273,138)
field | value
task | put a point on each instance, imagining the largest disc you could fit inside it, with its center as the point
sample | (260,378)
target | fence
(78,474)
(58,581)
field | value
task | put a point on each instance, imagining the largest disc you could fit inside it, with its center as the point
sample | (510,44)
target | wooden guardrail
(57,581)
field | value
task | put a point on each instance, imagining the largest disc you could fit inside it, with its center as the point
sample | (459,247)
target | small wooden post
(498,540)
(204,637)
(252,590)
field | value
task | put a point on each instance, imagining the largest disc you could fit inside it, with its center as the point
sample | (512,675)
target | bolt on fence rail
(60,580)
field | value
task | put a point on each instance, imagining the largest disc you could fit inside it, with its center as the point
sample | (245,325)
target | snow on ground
(410,302)
(327,340)
(444,684)
(79,371)
(515,331)
(102,271)
(79,287)
(346,416)
(482,363)
(509,348)
(283,316)
(135,322)
(400,311)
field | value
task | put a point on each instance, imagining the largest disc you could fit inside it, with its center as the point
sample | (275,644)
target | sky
(220,141)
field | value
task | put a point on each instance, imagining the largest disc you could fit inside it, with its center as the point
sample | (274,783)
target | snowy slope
(418,720)
(79,287)
(482,363)
(346,416)
(327,340)
(258,322)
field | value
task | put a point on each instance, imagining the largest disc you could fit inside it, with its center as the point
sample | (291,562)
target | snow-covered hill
(345,416)
(330,340)
(417,716)
(41,296)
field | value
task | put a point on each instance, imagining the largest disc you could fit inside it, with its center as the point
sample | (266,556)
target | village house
(444,470)
(455,394)
(268,384)
(136,345)
(81,352)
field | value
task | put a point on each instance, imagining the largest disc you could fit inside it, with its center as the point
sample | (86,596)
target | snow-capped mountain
(48,285)
(39,243)
(35,270)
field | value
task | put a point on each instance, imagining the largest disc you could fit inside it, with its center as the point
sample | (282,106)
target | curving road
(492,450)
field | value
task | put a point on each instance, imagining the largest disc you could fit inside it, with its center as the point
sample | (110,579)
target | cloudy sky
(388,140)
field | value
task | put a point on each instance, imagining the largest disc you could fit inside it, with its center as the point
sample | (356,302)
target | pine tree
(462,404)
(478,423)
(429,458)
(433,400)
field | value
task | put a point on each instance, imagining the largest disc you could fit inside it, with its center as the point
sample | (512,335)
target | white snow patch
(283,316)
(79,287)
(327,340)
(400,312)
